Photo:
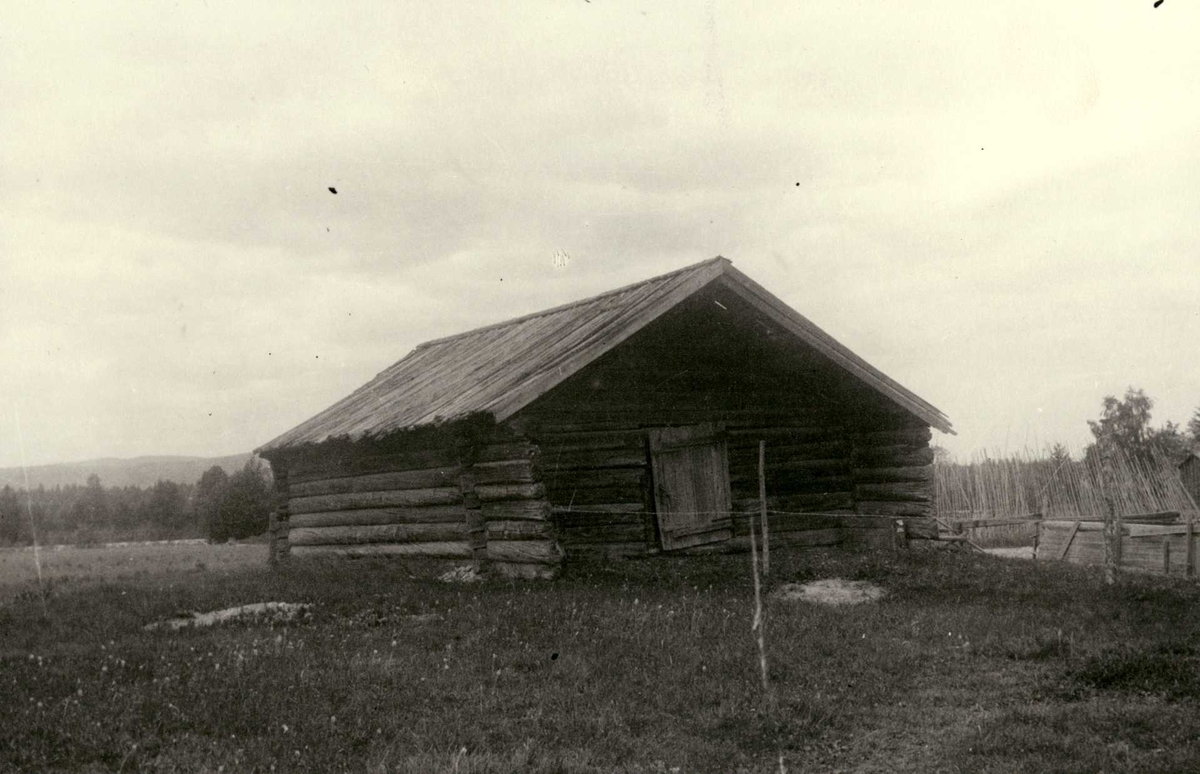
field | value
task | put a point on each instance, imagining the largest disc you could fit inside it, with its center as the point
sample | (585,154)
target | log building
(624,424)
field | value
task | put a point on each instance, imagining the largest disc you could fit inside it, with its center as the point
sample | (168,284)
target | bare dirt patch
(831,591)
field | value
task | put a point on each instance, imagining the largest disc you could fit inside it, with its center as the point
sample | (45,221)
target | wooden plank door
(690,468)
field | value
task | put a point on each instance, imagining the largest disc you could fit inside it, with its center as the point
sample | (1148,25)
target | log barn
(622,425)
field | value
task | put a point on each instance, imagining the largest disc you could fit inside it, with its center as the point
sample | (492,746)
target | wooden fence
(986,532)
(1168,549)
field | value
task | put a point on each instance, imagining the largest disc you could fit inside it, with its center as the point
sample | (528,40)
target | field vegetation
(969,663)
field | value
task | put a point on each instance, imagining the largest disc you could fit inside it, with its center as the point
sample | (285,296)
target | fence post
(1190,570)
(762,505)
(1112,527)
(1166,555)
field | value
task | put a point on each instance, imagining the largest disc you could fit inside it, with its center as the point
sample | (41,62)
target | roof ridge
(568,305)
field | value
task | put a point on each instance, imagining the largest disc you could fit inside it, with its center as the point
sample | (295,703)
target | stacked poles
(1022,485)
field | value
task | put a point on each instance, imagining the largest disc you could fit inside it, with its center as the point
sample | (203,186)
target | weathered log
(818,501)
(396,498)
(918,473)
(500,452)
(341,465)
(606,551)
(891,457)
(785,434)
(893,508)
(778,467)
(379,482)
(746,448)
(504,472)
(587,498)
(433,514)
(477,532)
(491,493)
(448,550)
(596,477)
(587,459)
(741,544)
(913,436)
(796,482)
(519,530)
(802,522)
(377,533)
(605,508)
(905,492)
(588,442)
(525,551)
(630,532)
(508,510)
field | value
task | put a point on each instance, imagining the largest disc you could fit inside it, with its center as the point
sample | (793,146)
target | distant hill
(139,471)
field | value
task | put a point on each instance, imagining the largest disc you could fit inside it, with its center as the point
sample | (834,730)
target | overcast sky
(995,203)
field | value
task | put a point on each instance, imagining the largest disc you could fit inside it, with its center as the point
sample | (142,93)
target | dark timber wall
(833,444)
(461,493)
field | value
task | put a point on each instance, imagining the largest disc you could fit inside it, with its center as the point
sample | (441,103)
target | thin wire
(747,514)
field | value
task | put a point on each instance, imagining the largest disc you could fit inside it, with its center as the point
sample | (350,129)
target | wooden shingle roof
(499,369)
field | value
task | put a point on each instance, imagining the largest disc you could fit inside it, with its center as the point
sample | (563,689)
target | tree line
(218,507)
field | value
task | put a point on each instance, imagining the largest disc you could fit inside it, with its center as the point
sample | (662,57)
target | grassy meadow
(970,663)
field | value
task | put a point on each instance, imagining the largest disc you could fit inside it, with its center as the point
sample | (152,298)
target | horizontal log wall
(597,484)
(485,502)
(892,471)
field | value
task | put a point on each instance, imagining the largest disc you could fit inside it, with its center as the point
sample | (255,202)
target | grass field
(970,663)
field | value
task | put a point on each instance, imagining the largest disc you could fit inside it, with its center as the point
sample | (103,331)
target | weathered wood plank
(903,492)
(777,468)
(588,442)
(431,478)
(397,498)
(504,472)
(343,465)
(525,551)
(892,508)
(595,478)
(433,514)
(589,497)
(502,452)
(519,530)
(912,436)
(491,493)
(891,457)
(510,510)
(556,461)
(814,502)
(1070,538)
(377,533)
(447,550)
(616,532)
(918,473)
(606,551)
